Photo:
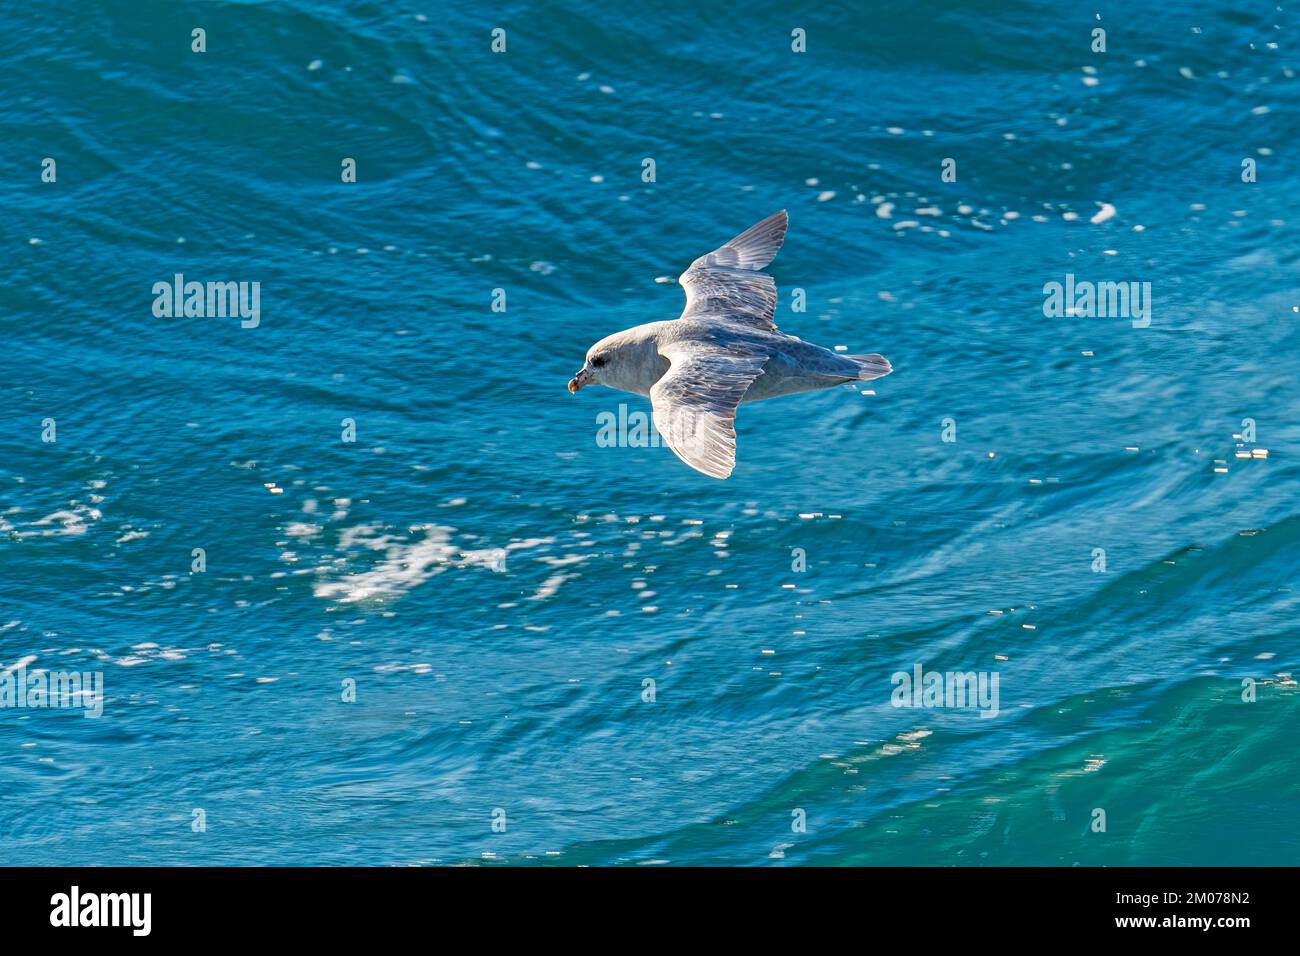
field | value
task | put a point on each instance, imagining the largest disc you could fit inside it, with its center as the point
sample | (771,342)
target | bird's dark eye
(598,361)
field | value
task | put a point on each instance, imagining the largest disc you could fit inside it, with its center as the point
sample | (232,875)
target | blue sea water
(496,588)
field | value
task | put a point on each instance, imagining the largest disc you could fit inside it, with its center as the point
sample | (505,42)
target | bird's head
(590,373)
(603,359)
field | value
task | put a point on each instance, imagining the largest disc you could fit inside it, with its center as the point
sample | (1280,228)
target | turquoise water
(497,587)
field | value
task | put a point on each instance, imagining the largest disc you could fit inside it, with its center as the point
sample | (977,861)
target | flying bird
(723,350)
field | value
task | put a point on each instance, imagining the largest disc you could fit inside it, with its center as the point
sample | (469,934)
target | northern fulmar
(723,350)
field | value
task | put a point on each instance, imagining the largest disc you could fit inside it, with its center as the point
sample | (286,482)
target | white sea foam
(66,522)
(406,563)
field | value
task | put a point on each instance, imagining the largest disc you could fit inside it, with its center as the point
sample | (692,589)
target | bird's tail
(871,366)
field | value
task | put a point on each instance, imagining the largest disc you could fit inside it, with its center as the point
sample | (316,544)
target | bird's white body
(724,350)
(793,365)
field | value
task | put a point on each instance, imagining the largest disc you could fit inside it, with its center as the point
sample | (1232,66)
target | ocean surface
(476,635)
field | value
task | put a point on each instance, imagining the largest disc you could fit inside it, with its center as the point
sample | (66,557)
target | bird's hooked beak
(584,377)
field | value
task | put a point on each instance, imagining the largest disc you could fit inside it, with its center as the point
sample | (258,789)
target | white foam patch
(67,522)
(552,584)
(494,559)
(406,563)
(1106,212)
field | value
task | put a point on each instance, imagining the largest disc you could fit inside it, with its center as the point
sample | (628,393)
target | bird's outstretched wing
(727,284)
(695,402)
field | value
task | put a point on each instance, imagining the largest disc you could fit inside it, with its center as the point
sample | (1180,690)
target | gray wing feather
(695,402)
(726,283)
